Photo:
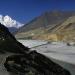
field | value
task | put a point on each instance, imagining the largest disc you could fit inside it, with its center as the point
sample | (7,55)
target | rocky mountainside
(66,29)
(45,27)
(19,60)
(46,19)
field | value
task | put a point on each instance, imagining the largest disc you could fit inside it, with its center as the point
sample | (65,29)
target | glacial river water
(58,52)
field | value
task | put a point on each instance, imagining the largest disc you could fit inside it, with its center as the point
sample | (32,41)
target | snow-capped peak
(9,22)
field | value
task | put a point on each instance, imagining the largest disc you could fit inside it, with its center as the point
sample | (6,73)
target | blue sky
(25,10)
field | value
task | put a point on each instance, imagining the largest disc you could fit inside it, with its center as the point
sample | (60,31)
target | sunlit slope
(53,26)
(66,29)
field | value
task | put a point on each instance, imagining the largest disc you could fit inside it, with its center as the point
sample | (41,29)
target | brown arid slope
(53,26)
(67,29)
(46,19)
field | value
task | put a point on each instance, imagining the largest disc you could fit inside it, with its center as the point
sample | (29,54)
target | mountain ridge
(47,15)
(45,27)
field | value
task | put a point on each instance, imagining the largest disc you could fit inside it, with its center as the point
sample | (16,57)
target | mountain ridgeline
(49,26)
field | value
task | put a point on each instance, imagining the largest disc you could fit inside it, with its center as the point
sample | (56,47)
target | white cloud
(9,22)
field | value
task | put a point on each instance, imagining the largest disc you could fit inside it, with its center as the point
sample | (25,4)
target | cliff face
(23,61)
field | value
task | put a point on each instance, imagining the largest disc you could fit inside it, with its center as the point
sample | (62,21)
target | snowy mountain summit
(9,22)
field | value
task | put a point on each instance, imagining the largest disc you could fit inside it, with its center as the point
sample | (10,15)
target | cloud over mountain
(9,22)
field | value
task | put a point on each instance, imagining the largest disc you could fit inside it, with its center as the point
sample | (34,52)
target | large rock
(23,61)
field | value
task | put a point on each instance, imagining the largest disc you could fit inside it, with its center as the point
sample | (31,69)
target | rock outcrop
(23,61)
(9,43)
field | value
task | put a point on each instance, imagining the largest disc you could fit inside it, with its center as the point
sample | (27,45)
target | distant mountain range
(54,25)
(12,24)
